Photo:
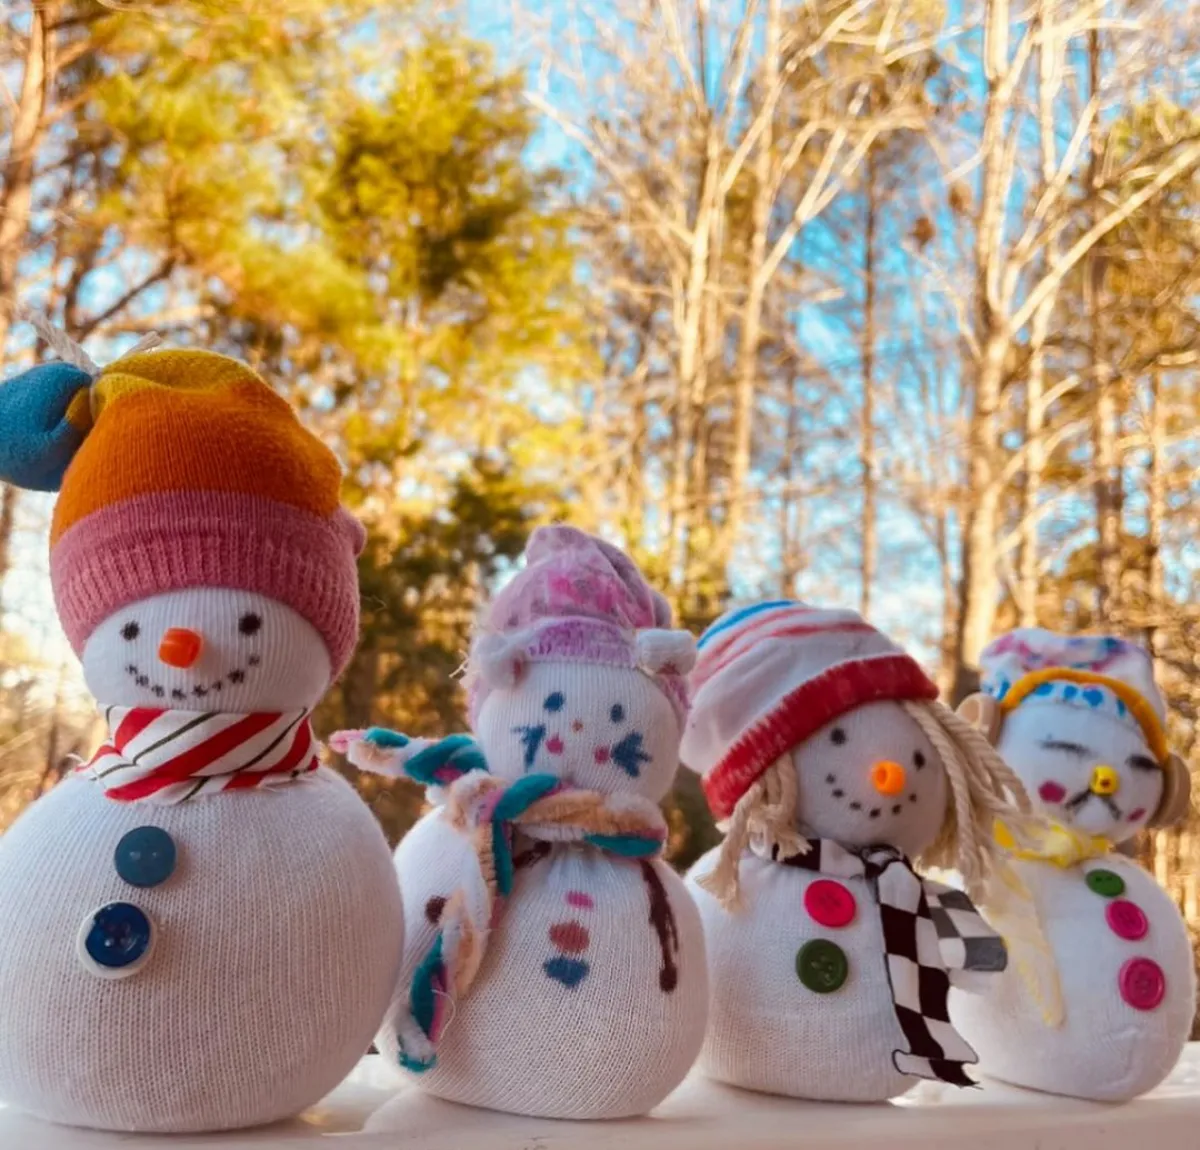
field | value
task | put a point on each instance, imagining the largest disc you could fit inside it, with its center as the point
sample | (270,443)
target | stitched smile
(855,805)
(1076,803)
(201,690)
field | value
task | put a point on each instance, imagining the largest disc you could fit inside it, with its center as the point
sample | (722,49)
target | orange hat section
(193,421)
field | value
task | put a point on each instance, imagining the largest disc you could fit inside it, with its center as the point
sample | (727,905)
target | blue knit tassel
(40,432)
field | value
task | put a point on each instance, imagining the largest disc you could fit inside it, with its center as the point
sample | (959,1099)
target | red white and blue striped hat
(768,676)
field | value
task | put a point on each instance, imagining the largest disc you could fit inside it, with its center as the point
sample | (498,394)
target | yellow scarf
(1059,845)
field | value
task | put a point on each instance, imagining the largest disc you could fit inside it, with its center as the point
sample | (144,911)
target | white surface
(368,1111)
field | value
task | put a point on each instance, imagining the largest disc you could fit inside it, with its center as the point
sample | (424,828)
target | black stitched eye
(250,624)
(617,714)
(130,631)
(919,760)
(554,701)
(838,735)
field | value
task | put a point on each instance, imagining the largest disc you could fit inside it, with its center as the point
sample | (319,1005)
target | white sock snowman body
(200,929)
(816,991)
(250,999)
(1108,1003)
(591,998)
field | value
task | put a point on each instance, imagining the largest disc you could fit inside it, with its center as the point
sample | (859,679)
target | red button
(829,903)
(1142,983)
(1126,920)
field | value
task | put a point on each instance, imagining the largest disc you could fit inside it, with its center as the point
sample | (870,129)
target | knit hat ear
(45,414)
(1176,799)
(984,713)
(661,651)
(500,660)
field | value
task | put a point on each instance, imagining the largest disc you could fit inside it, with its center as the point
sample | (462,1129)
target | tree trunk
(746,372)
(1156,511)
(1105,462)
(979,584)
(28,125)
(867,411)
(8,507)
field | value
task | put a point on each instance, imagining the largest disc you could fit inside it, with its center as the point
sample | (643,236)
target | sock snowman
(200,928)
(1101,1004)
(829,764)
(554,963)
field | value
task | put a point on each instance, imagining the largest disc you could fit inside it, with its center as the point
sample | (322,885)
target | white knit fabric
(538,1033)
(277,937)
(1105,1049)
(767,1030)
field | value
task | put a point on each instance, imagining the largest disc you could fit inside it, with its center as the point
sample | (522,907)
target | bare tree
(716,136)
(1012,285)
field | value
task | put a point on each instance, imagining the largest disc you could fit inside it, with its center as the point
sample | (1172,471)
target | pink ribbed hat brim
(173,541)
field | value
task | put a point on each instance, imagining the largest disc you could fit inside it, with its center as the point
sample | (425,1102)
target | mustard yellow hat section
(166,421)
(1139,707)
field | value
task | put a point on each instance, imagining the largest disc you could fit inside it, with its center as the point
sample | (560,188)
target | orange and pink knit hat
(182,469)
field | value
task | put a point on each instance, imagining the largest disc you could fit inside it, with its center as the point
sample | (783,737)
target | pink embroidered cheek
(1052,792)
(554,745)
(602,754)
(1140,813)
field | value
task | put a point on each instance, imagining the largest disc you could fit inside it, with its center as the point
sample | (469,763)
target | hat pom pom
(666,652)
(45,414)
(500,661)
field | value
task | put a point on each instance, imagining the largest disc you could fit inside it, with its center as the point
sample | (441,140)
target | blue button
(115,940)
(145,856)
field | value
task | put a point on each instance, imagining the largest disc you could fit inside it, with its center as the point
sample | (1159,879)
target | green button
(1105,883)
(822,966)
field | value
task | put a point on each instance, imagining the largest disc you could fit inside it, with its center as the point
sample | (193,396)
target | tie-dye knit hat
(768,676)
(1101,673)
(578,599)
(181,469)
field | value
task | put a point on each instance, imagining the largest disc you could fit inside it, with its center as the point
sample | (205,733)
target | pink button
(1142,983)
(829,903)
(1126,920)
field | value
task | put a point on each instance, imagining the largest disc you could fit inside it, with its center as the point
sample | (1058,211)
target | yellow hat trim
(1139,707)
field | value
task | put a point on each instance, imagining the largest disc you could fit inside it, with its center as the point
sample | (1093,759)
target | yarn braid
(983,788)
(766,813)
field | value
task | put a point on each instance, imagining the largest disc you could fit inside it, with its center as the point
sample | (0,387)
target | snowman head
(207,649)
(198,554)
(1080,720)
(574,673)
(811,723)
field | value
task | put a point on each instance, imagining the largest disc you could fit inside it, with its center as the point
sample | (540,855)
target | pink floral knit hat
(578,600)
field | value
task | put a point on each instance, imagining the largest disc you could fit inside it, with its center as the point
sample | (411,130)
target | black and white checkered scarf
(929,930)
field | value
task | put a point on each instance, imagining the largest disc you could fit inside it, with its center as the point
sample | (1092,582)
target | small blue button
(145,856)
(115,940)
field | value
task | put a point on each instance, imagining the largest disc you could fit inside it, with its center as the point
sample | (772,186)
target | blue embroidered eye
(617,714)
(554,702)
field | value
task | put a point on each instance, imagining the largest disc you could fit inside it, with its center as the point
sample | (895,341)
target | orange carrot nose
(180,647)
(887,777)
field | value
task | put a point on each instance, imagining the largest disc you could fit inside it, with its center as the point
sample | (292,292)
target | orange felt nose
(887,777)
(180,647)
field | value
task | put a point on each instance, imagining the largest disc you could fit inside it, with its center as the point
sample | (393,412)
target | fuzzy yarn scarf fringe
(489,812)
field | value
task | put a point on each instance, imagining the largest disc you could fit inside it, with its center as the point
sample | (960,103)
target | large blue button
(115,940)
(145,856)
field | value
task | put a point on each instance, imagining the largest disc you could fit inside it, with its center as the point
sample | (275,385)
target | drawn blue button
(145,856)
(115,941)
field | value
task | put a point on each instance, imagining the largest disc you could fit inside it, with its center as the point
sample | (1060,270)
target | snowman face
(207,650)
(871,777)
(605,729)
(1088,770)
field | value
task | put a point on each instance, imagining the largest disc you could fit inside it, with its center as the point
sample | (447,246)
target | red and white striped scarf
(168,756)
